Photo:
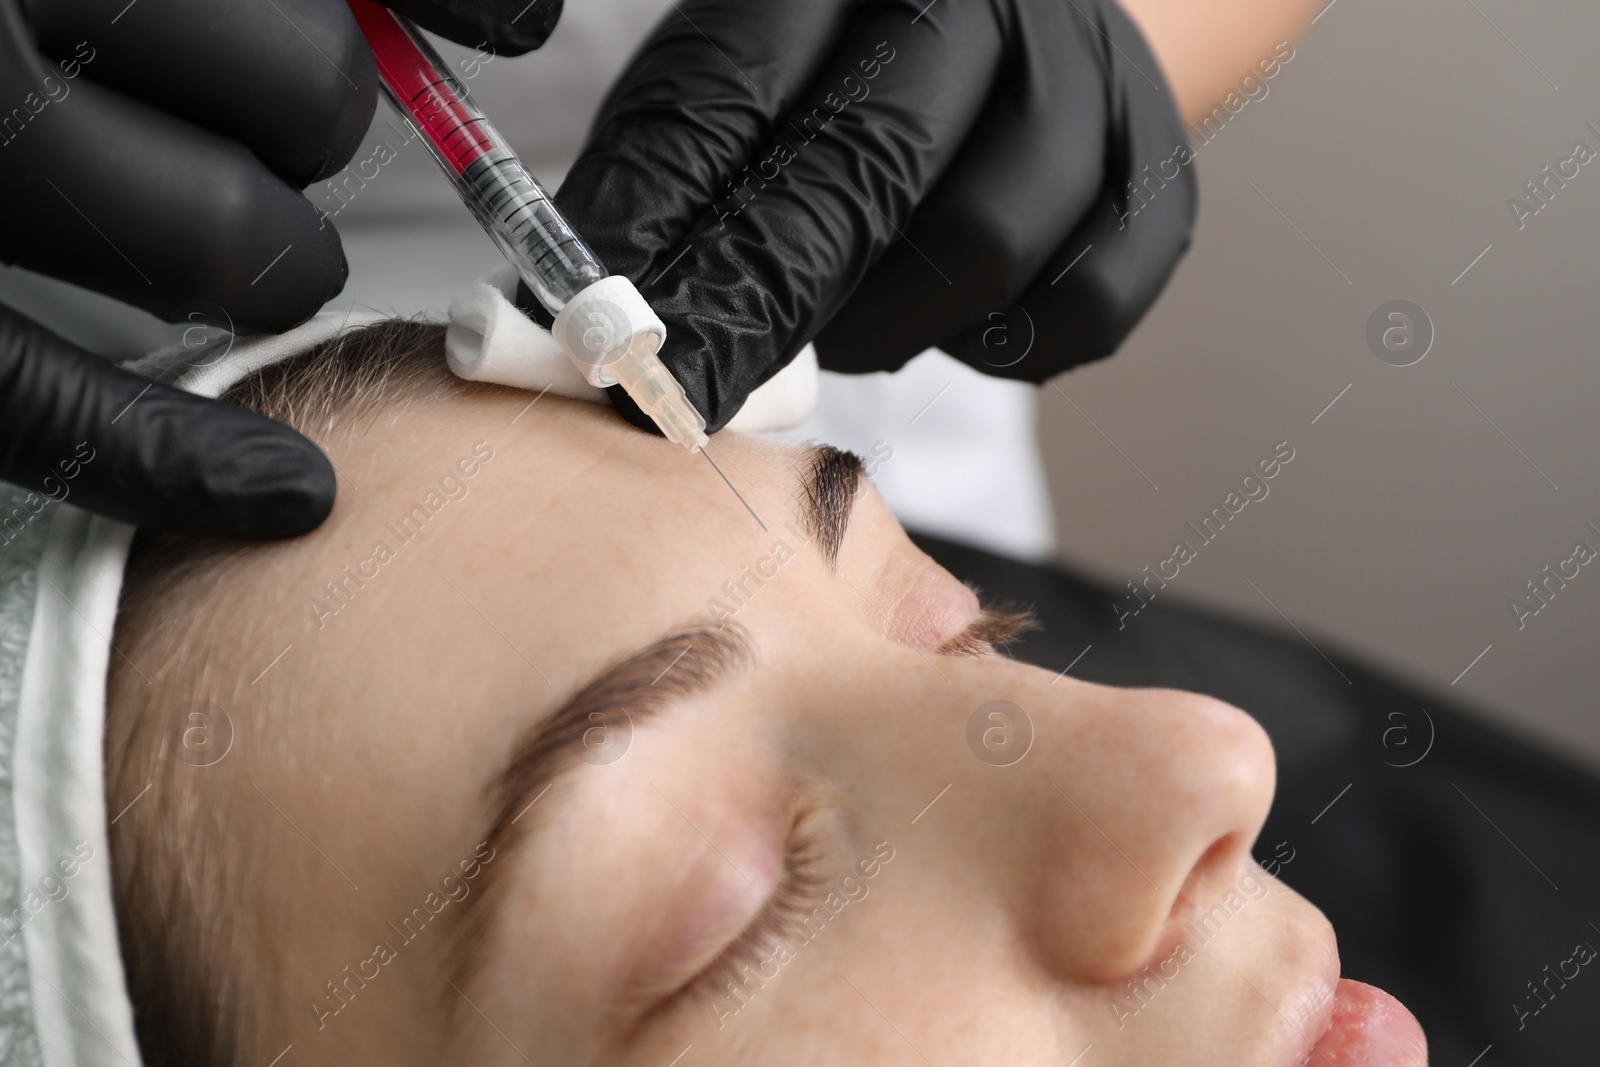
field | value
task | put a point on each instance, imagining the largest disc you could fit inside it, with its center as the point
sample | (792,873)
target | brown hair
(184,950)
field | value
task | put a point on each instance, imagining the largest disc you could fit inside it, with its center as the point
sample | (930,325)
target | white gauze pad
(489,340)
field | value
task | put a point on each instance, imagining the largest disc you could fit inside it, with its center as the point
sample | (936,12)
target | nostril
(1212,877)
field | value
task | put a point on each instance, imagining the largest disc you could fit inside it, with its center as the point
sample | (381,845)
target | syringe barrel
(510,203)
(501,193)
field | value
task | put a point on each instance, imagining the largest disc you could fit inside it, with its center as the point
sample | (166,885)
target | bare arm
(1206,46)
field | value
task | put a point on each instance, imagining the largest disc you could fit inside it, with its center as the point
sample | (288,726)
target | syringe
(602,322)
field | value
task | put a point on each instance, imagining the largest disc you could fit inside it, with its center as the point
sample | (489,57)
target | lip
(1345,1023)
(1370,1028)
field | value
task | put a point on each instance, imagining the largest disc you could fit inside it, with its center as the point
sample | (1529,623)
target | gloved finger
(1020,184)
(830,189)
(683,119)
(505,27)
(292,80)
(119,197)
(72,426)
(1104,278)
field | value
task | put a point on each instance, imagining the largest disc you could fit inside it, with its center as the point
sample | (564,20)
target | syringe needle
(736,492)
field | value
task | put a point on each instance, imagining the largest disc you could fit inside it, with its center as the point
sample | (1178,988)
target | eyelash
(799,889)
(998,625)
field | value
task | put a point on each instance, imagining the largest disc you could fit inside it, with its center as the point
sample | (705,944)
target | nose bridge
(1102,807)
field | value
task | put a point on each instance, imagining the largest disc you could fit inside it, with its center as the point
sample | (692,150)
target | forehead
(557,520)
(550,471)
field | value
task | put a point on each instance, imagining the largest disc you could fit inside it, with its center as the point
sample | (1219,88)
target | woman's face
(805,822)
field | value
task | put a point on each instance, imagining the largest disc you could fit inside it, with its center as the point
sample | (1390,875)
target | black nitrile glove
(503,27)
(154,152)
(78,428)
(882,176)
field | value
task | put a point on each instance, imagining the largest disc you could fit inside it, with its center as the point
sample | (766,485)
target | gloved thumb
(75,427)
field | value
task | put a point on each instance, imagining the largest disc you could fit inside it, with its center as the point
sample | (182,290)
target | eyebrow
(632,691)
(829,487)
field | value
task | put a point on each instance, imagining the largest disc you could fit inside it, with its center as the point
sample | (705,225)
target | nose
(1130,807)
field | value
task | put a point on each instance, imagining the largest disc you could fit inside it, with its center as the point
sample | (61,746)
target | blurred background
(1378,166)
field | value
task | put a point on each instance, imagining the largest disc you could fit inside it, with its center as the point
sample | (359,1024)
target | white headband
(63,994)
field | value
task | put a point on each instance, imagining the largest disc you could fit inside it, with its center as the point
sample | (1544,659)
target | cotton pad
(490,340)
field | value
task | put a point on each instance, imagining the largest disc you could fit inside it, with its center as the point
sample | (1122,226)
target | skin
(1015,907)
(1206,48)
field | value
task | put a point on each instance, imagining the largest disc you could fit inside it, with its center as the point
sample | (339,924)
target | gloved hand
(154,152)
(882,176)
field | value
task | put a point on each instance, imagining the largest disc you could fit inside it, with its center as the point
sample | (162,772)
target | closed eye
(763,945)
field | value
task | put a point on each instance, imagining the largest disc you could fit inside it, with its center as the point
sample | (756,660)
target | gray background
(1392,142)
(1378,167)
